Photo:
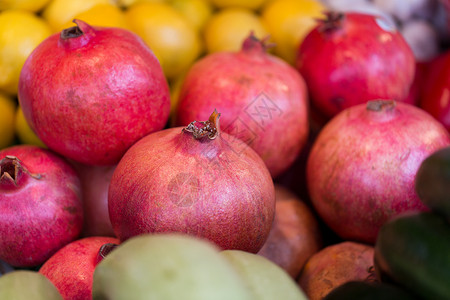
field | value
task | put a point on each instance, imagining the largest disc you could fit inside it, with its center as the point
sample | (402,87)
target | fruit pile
(223,149)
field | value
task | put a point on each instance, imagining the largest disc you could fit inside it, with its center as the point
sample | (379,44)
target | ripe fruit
(40,205)
(26,285)
(7,117)
(24,132)
(353,58)
(110,92)
(192,180)
(170,267)
(263,101)
(361,168)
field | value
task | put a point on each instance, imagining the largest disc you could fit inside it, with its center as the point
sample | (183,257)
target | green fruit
(167,266)
(27,285)
(413,250)
(433,182)
(266,279)
(362,290)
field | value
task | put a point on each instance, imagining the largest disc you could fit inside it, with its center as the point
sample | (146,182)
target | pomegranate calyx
(104,250)
(381,105)
(200,129)
(11,170)
(253,44)
(71,32)
(332,22)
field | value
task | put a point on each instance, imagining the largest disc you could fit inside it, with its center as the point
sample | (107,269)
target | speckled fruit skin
(362,166)
(263,101)
(89,98)
(335,265)
(354,59)
(71,269)
(171,182)
(38,216)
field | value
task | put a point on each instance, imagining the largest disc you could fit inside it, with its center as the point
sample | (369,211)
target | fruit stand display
(224,149)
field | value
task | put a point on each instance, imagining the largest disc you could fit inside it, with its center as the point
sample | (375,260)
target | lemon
(105,14)
(127,3)
(227,29)
(250,4)
(20,32)
(24,132)
(29,5)
(172,38)
(7,108)
(288,22)
(197,12)
(59,12)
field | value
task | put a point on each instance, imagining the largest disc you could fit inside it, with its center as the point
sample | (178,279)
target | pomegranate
(71,269)
(192,180)
(91,92)
(40,205)
(435,96)
(262,98)
(361,168)
(352,58)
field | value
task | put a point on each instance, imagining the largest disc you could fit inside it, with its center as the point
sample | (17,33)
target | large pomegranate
(351,58)
(91,92)
(40,205)
(262,98)
(192,180)
(361,168)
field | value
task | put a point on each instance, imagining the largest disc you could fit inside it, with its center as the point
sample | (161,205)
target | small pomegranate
(262,98)
(192,180)
(71,269)
(91,92)
(361,168)
(40,205)
(352,58)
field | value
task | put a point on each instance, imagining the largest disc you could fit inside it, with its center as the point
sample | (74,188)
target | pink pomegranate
(40,205)
(192,180)
(90,93)
(361,168)
(71,269)
(352,58)
(262,98)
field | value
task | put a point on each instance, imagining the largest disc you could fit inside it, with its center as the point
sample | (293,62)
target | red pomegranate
(352,58)
(91,92)
(361,168)
(262,98)
(192,180)
(40,205)
(71,269)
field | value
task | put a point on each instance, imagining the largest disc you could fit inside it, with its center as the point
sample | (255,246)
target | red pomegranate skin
(352,58)
(89,98)
(435,96)
(361,168)
(171,182)
(38,216)
(71,269)
(263,101)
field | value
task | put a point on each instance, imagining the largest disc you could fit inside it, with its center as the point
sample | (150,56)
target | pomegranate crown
(200,129)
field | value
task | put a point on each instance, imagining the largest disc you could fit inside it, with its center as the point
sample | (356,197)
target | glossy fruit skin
(362,166)
(263,101)
(38,216)
(353,58)
(171,182)
(435,96)
(110,92)
(71,269)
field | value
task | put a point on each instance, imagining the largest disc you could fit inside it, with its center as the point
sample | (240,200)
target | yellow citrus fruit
(29,5)
(227,29)
(59,12)
(7,109)
(20,32)
(172,38)
(288,22)
(250,4)
(105,14)
(197,12)
(23,131)
(127,3)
